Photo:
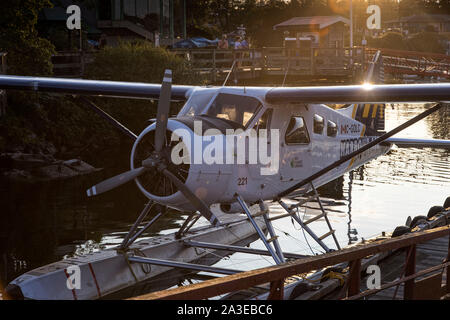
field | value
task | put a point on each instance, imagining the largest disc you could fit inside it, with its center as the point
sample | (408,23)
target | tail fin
(372,115)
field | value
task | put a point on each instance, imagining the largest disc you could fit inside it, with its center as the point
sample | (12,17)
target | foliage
(390,40)
(27,52)
(426,42)
(138,61)
(423,41)
(260,16)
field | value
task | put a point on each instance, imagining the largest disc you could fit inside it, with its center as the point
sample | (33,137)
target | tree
(390,40)
(28,54)
(426,42)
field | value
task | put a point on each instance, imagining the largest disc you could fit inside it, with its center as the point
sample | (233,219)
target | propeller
(157,160)
(195,201)
(115,181)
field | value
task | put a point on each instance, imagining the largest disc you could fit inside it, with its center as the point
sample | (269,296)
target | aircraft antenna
(229,73)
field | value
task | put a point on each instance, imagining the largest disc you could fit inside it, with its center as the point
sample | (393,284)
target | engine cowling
(209,182)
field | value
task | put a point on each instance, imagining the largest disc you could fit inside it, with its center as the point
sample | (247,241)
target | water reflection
(45,222)
(42,223)
(352,232)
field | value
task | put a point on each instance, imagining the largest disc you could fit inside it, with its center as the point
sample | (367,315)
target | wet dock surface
(428,254)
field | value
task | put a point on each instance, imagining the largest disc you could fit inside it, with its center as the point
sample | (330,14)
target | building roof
(320,21)
(423,18)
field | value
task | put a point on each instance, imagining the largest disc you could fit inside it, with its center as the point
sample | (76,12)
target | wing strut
(361,150)
(108,117)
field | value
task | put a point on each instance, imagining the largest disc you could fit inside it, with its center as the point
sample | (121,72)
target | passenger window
(296,132)
(319,124)
(331,129)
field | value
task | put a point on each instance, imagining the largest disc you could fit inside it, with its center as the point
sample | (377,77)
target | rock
(40,167)
(18,175)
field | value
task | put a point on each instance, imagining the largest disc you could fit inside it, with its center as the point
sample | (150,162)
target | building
(165,19)
(417,23)
(324,31)
(439,23)
(159,21)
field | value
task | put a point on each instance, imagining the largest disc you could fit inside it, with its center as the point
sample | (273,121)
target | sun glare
(367,86)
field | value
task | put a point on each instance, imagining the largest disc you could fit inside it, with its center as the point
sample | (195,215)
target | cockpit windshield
(232,107)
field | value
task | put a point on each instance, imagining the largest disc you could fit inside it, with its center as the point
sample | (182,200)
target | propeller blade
(163,110)
(195,201)
(115,181)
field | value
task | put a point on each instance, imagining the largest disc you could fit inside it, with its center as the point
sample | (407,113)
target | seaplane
(228,153)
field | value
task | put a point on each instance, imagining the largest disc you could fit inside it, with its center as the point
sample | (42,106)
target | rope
(335,275)
(125,255)
(341,276)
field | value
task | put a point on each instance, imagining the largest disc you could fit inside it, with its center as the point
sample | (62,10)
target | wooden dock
(414,265)
(428,254)
(273,61)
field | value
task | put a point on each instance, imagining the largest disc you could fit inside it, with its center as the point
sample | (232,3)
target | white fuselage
(305,154)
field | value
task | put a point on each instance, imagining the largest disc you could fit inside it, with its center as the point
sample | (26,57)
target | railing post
(276,290)
(81,64)
(252,59)
(448,268)
(214,70)
(410,269)
(236,67)
(264,61)
(354,280)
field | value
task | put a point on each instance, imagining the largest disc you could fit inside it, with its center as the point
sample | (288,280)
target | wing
(93,87)
(429,92)
(419,143)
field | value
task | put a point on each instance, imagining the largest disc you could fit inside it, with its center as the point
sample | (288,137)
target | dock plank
(428,254)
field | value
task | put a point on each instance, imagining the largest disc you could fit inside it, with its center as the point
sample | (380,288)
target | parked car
(196,42)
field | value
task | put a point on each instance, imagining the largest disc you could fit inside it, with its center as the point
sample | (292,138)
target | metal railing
(272,61)
(71,64)
(399,62)
(276,275)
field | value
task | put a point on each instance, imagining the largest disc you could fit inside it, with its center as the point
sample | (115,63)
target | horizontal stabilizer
(92,87)
(419,143)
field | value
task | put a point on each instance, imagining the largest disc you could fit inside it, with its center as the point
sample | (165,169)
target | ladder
(305,224)
(275,251)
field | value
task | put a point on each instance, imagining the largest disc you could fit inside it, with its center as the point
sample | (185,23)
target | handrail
(274,274)
(404,53)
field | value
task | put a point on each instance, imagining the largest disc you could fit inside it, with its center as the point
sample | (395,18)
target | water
(43,223)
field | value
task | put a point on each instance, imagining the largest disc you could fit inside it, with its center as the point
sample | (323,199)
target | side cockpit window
(319,124)
(296,132)
(331,129)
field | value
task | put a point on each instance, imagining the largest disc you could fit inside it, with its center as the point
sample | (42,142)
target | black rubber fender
(434,210)
(13,292)
(401,230)
(415,221)
(447,203)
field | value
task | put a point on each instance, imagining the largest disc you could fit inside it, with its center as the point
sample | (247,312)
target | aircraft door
(295,155)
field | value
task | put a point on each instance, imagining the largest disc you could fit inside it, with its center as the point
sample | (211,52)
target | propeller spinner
(157,160)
